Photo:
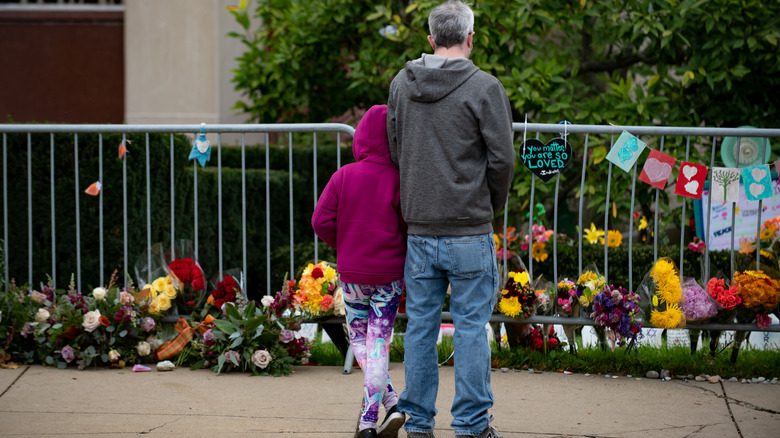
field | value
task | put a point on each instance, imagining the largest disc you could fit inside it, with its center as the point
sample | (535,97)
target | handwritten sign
(545,160)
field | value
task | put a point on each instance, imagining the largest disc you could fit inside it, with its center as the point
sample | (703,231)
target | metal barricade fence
(522,130)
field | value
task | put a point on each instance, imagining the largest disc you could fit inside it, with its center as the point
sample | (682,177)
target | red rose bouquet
(192,284)
(227,290)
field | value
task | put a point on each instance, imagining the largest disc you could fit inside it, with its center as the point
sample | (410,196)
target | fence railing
(584,134)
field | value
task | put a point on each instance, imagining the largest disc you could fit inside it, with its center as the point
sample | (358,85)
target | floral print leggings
(371,312)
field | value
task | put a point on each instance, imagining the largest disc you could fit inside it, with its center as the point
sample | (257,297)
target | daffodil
(593,235)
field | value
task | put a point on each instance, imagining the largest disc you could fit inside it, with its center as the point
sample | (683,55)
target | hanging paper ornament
(625,151)
(690,180)
(201,149)
(725,184)
(657,169)
(545,160)
(749,149)
(94,189)
(758,182)
(123,149)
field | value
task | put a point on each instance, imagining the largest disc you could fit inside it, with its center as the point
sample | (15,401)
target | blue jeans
(468,264)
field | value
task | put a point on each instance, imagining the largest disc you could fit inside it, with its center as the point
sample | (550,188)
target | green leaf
(49,360)
(123,333)
(236,342)
(225,326)
(740,71)
(232,311)
(254,323)
(110,329)
(220,363)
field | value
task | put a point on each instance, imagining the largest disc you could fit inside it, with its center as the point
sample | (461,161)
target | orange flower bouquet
(759,293)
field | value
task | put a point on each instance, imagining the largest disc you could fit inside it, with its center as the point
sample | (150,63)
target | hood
(432,77)
(370,141)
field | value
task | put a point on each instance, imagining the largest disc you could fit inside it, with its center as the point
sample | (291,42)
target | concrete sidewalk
(320,401)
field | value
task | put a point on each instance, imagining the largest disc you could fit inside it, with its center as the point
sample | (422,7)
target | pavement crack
(14,382)
(160,426)
(728,406)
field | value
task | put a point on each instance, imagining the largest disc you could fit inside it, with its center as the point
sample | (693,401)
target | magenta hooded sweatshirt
(359,211)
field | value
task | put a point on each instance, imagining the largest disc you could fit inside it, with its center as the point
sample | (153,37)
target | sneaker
(367,433)
(489,432)
(420,435)
(392,423)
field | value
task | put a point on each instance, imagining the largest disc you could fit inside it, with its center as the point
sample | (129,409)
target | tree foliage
(626,62)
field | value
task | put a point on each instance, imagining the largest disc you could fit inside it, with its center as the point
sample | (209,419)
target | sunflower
(768,231)
(614,238)
(593,235)
(538,251)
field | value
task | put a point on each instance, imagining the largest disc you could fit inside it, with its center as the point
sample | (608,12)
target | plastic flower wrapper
(545,302)
(615,309)
(759,294)
(227,287)
(181,265)
(699,305)
(567,301)
(319,290)
(588,285)
(662,296)
(158,289)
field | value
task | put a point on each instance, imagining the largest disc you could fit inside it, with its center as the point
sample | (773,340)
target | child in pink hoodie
(359,215)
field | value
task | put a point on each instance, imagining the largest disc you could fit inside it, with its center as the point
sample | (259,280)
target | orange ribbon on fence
(171,348)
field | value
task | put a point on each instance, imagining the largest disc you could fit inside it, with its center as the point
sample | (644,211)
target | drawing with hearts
(690,180)
(758,182)
(626,151)
(657,169)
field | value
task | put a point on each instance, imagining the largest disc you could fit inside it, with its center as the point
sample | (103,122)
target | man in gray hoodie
(449,126)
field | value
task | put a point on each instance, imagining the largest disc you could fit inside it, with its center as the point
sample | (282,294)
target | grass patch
(678,360)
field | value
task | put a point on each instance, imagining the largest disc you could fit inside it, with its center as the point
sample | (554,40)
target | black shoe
(367,433)
(420,435)
(489,432)
(393,422)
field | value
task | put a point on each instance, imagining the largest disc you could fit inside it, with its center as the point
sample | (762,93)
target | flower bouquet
(517,297)
(158,288)
(227,288)
(726,300)
(699,305)
(759,294)
(614,308)
(319,291)
(544,339)
(662,298)
(568,304)
(589,284)
(544,296)
(188,274)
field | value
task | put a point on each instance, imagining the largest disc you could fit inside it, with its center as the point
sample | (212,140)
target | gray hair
(450,23)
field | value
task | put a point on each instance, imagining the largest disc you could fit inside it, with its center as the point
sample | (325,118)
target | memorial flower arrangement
(319,291)
(614,308)
(160,294)
(662,295)
(189,275)
(537,340)
(110,326)
(759,294)
(517,297)
(226,291)
(567,297)
(699,305)
(588,285)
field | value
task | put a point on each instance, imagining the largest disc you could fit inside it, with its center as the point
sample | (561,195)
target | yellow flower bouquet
(589,284)
(662,298)
(319,291)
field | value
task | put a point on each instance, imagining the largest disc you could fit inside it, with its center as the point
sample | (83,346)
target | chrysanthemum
(661,270)
(672,317)
(510,307)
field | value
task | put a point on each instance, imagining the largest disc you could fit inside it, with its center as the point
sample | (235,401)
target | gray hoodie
(449,125)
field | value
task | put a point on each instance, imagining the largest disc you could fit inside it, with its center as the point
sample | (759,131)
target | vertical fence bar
(53,220)
(582,206)
(148,212)
(5,210)
(606,215)
(195,203)
(100,204)
(707,242)
(243,204)
(124,211)
(555,240)
(292,238)
(316,241)
(631,233)
(531,227)
(267,218)
(338,150)
(78,214)
(219,202)
(682,225)
(655,214)
(173,203)
(760,205)
(29,211)
(734,211)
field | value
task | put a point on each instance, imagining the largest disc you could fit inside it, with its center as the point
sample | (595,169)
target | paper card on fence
(690,180)
(625,151)
(777,167)
(758,182)
(657,169)
(725,184)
